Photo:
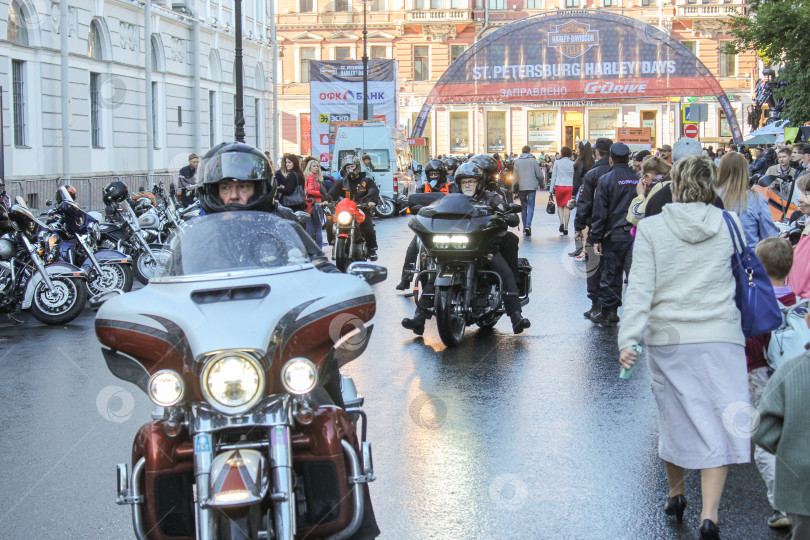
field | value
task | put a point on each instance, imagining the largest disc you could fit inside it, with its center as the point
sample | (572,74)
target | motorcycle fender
(447,279)
(343,235)
(109,255)
(53,269)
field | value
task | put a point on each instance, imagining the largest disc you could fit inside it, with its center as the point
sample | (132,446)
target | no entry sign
(690,130)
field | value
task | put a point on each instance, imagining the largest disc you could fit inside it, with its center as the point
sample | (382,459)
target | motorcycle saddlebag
(525,283)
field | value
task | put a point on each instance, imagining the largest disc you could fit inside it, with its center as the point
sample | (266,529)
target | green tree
(780,33)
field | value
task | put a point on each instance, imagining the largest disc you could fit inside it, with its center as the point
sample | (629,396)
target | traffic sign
(690,130)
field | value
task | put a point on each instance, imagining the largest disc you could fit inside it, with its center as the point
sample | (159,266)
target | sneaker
(525,231)
(528,231)
(778,520)
(575,253)
(372,254)
(581,257)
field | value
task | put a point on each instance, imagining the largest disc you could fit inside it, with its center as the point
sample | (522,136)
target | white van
(389,151)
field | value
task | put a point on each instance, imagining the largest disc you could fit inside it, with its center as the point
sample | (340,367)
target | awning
(761,139)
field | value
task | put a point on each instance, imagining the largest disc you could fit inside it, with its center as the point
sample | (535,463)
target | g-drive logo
(350,96)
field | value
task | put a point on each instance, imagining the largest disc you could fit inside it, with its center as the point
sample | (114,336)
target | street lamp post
(365,64)
(239,112)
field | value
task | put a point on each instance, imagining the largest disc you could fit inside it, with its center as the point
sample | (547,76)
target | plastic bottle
(627,373)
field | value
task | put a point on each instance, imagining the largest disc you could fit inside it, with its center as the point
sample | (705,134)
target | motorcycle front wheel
(113,276)
(342,253)
(386,208)
(145,267)
(450,314)
(60,305)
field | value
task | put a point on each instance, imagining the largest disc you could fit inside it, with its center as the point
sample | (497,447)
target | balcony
(707,11)
(439,15)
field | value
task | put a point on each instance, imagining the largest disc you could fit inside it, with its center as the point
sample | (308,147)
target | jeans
(527,207)
(315,225)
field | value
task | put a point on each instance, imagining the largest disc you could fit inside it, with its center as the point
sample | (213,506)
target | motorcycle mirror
(371,273)
(96,301)
(49,203)
(302,217)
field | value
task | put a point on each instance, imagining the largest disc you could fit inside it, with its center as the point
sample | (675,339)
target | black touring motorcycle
(458,237)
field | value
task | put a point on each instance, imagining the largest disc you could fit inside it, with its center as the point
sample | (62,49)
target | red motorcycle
(256,434)
(349,242)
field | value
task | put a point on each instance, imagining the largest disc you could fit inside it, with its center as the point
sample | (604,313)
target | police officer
(610,232)
(437,181)
(471,181)
(584,217)
(355,186)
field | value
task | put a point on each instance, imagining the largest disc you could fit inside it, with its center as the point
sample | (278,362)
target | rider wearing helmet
(237,177)
(452,164)
(436,173)
(471,180)
(355,186)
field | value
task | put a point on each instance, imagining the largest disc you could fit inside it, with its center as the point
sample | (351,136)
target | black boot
(417,323)
(404,283)
(605,317)
(594,309)
(372,254)
(519,324)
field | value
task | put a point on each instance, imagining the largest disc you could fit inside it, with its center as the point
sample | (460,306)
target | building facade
(192,85)
(425,36)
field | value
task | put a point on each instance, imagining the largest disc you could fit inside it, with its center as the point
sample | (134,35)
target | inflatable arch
(575,55)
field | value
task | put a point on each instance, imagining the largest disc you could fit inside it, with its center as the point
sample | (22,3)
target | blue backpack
(792,337)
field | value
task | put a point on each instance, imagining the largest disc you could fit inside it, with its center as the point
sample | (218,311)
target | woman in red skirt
(562,186)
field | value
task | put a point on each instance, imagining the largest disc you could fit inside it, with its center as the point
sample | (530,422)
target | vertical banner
(306,134)
(336,95)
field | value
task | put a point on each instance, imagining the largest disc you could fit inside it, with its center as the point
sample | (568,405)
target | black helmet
(349,160)
(487,164)
(235,161)
(452,164)
(438,166)
(116,192)
(471,170)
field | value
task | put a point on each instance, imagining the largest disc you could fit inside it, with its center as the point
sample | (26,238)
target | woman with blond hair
(687,315)
(315,194)
(750,206)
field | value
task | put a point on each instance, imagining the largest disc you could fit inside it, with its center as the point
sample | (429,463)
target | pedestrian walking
(316,193)
(610,233)
(751,207)
(693,335)
(527,177)
(562,186)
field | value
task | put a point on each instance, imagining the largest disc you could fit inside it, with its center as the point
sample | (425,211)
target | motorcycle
(459,237)
(251,440)
(31,275)
(778,191)
(349,243)
(127,235)
(79,234)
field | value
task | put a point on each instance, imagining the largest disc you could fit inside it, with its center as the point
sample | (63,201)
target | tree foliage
(780,33)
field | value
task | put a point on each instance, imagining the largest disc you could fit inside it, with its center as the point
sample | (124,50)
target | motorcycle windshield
(234,241)
(455,204)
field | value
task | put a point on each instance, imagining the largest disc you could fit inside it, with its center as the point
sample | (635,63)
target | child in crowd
(776,255)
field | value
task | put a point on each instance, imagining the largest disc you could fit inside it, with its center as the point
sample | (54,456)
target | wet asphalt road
(504,437)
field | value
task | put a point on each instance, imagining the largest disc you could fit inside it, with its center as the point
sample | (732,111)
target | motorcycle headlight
(299,376)
(344,217)
(166,388)
(233,382)
(52,241)
(452,241)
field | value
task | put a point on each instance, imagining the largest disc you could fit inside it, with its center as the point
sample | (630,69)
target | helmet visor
(233,166)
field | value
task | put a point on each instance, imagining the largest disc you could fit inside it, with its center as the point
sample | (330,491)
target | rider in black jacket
(471,181)
(357,187)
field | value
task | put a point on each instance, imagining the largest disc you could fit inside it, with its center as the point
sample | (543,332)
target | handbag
(759,310)
(296,198)
(551,207)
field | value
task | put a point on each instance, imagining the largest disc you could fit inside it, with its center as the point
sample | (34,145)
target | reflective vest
(444,189)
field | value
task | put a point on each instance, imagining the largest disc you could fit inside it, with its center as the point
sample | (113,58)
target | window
(340,5)
(257,111)
(305,6)
(155,115)
(534,4)
(602,123)
(18,90)
(647,2)
(725,129)
(496,131)
(343,53)
(378,51)
(436,4)
(95,110)
(378,5)
(456,51)
(94,42)
(496,4)
(571,3)
(307,54)
(419,4)
(17,27)
(212,100)
(609,3)
(421,67)
(728,63)
(691,45)
(455,4)
(542,127)
(459,132)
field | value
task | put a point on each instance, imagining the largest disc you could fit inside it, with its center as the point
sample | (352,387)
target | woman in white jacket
(682,288)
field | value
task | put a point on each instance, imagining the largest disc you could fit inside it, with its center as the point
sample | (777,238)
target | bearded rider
(471,180)
(356,187)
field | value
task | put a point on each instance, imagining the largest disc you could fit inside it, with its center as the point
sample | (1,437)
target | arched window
(17,24)
(94,46)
